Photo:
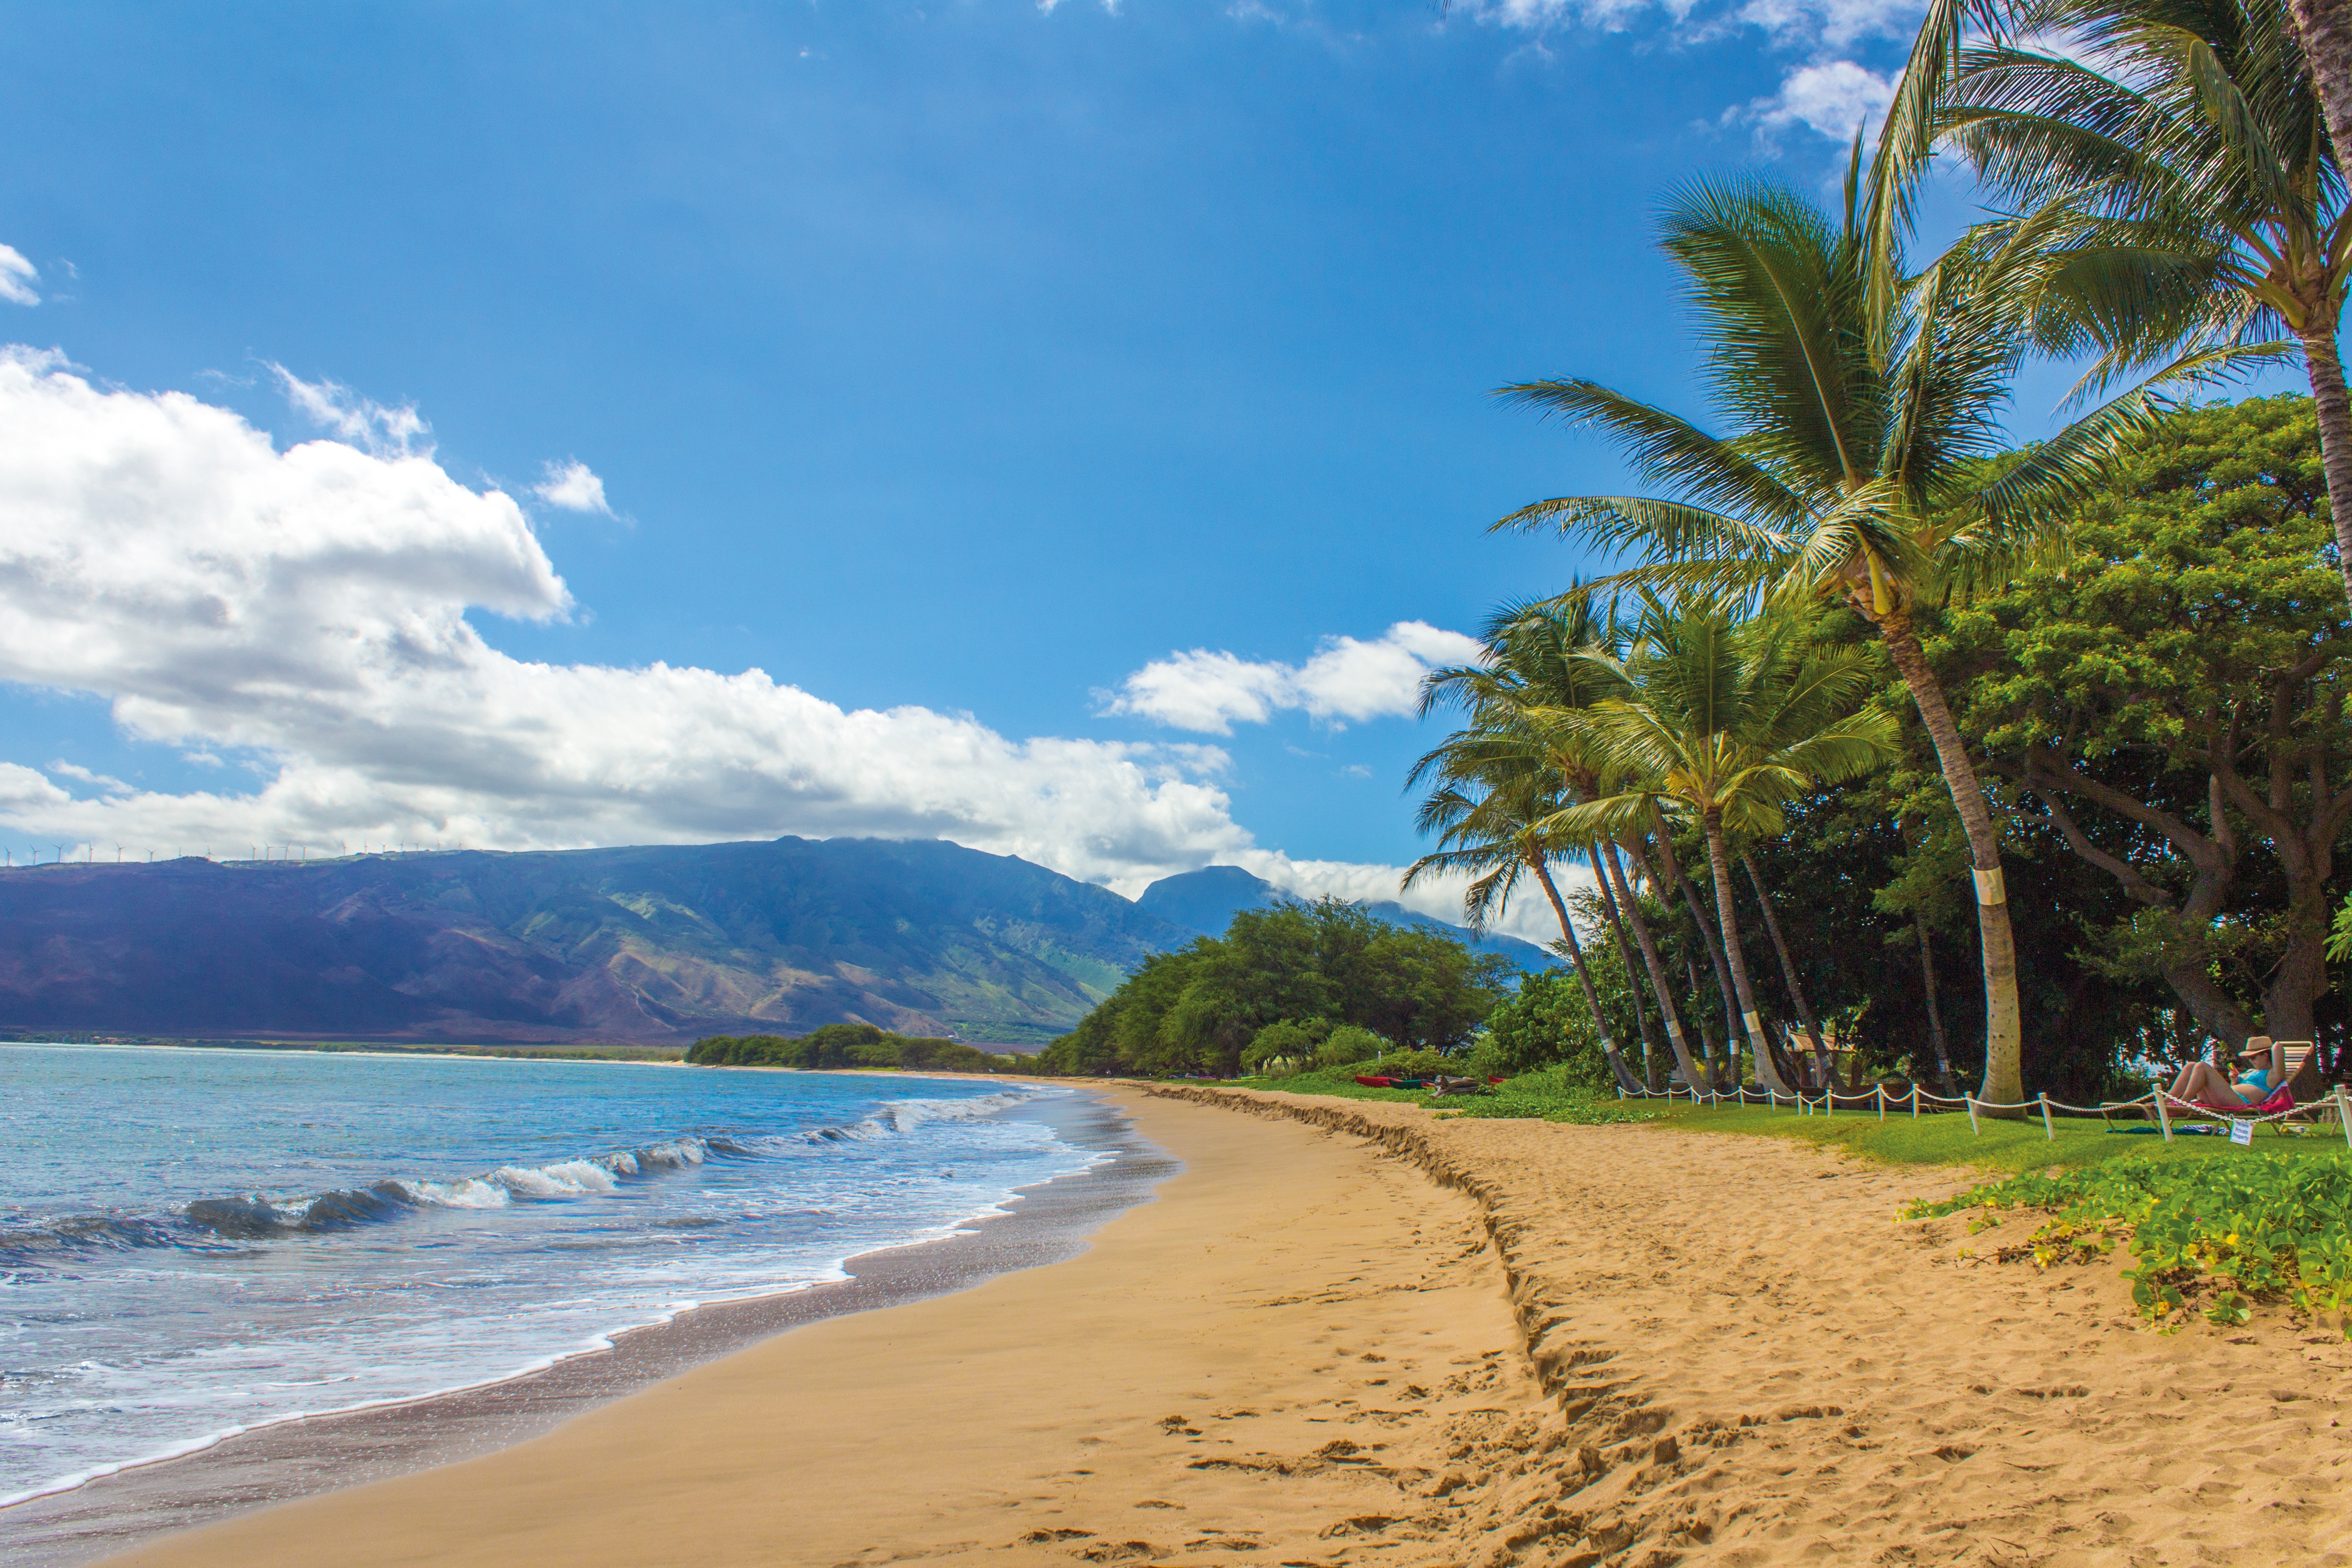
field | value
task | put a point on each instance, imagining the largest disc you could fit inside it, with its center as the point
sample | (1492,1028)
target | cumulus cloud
(305,611)
(17,276)
(1831,97)
(573,487)
(1208,691)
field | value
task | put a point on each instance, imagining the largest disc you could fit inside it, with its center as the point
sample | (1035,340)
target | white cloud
(573,487)
(1831,97)
(1208,691)
(1832,23)
(381,428)
(75,770)
(305,611)
(1527,915)
(17,276)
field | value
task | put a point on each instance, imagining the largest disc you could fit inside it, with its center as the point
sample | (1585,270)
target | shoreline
(1353,1332)
(307,1456)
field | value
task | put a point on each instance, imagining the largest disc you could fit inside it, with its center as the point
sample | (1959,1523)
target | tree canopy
(1200,1009)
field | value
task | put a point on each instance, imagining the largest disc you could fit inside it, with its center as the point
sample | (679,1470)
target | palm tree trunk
(1584,975)
(1706,930)
(2326,367)
(1651,1049)
(1788,975)
(1719,861)
(1935,1013)
(1658,986)
(2004,1073)
(2327,31)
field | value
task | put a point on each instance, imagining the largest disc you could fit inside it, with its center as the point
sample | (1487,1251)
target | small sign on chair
(2241,1130)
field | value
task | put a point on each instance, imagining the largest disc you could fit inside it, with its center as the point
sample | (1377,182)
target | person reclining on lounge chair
(2202,1083)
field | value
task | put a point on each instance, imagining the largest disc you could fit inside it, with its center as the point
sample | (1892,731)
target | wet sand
(275,1464)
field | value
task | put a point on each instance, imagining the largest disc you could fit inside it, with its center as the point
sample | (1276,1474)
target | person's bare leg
(2208,1082)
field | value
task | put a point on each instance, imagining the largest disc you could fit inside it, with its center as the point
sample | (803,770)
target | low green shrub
(2272,1227)
(1288,1040)
(1349,1044)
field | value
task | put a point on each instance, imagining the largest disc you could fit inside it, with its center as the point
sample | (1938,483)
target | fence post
(2343,1115)
(2047,1131)
(1829,1101)
(1914,1102)
(1971,1099)
(1882,1099)
(2164,1117)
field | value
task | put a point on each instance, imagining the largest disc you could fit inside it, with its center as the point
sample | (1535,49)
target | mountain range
(658,944)
(1207,899)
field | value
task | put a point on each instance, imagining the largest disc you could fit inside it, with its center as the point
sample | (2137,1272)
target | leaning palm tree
(1858,465)
(1486,811)
(1729,721)
(2175,166)
(1534,671)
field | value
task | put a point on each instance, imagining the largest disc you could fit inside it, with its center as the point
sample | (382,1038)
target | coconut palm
(1534,672)
(1487,810)
(1858,465)
(1726,722)
(2175,166)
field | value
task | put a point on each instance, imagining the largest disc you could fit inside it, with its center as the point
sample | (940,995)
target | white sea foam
(469,1224)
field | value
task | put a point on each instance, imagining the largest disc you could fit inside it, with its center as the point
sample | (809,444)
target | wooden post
(1971,1099)
(2048,1131)
(2163,1117)
(2343,1115)
(1829,1101)
(1882,1099)
(1914,1102)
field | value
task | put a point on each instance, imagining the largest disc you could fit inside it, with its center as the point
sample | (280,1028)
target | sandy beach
(1351,1332)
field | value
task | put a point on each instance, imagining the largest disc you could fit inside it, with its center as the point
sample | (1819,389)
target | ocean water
(195,1242)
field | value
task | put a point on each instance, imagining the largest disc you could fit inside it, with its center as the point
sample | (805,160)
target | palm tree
(1487,810)
(1727,721)
(1788,971)
(1535,671)
(1864,422)
(2176,167)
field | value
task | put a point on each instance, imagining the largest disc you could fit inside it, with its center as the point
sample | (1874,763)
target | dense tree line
(2118,785)
(1309,973)
(2156,712)
(848,1045)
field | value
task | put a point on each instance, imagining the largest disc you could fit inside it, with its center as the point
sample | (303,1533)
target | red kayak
(1372,1082)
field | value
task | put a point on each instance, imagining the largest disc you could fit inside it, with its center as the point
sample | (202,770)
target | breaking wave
(213,1223)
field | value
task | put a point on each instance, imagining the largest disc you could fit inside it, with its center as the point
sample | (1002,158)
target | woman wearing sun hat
(2265,1074)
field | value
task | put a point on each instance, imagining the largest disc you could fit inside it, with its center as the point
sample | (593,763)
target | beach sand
(1352,1332)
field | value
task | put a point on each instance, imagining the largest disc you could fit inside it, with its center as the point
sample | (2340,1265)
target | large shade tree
(1861,422)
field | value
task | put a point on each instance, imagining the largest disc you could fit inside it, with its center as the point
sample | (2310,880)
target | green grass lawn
(1933,1139)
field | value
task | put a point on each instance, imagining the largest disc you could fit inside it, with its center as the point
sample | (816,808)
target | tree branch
(2134,884)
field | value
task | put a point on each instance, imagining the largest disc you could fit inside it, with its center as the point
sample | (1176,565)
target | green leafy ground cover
(2272,1225)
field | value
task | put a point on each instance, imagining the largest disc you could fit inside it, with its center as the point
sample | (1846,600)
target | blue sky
(967,357)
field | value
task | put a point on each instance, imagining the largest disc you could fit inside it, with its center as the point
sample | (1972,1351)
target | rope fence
(2162,1102)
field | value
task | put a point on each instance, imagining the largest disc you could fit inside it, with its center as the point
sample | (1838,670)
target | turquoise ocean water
(194,1242)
